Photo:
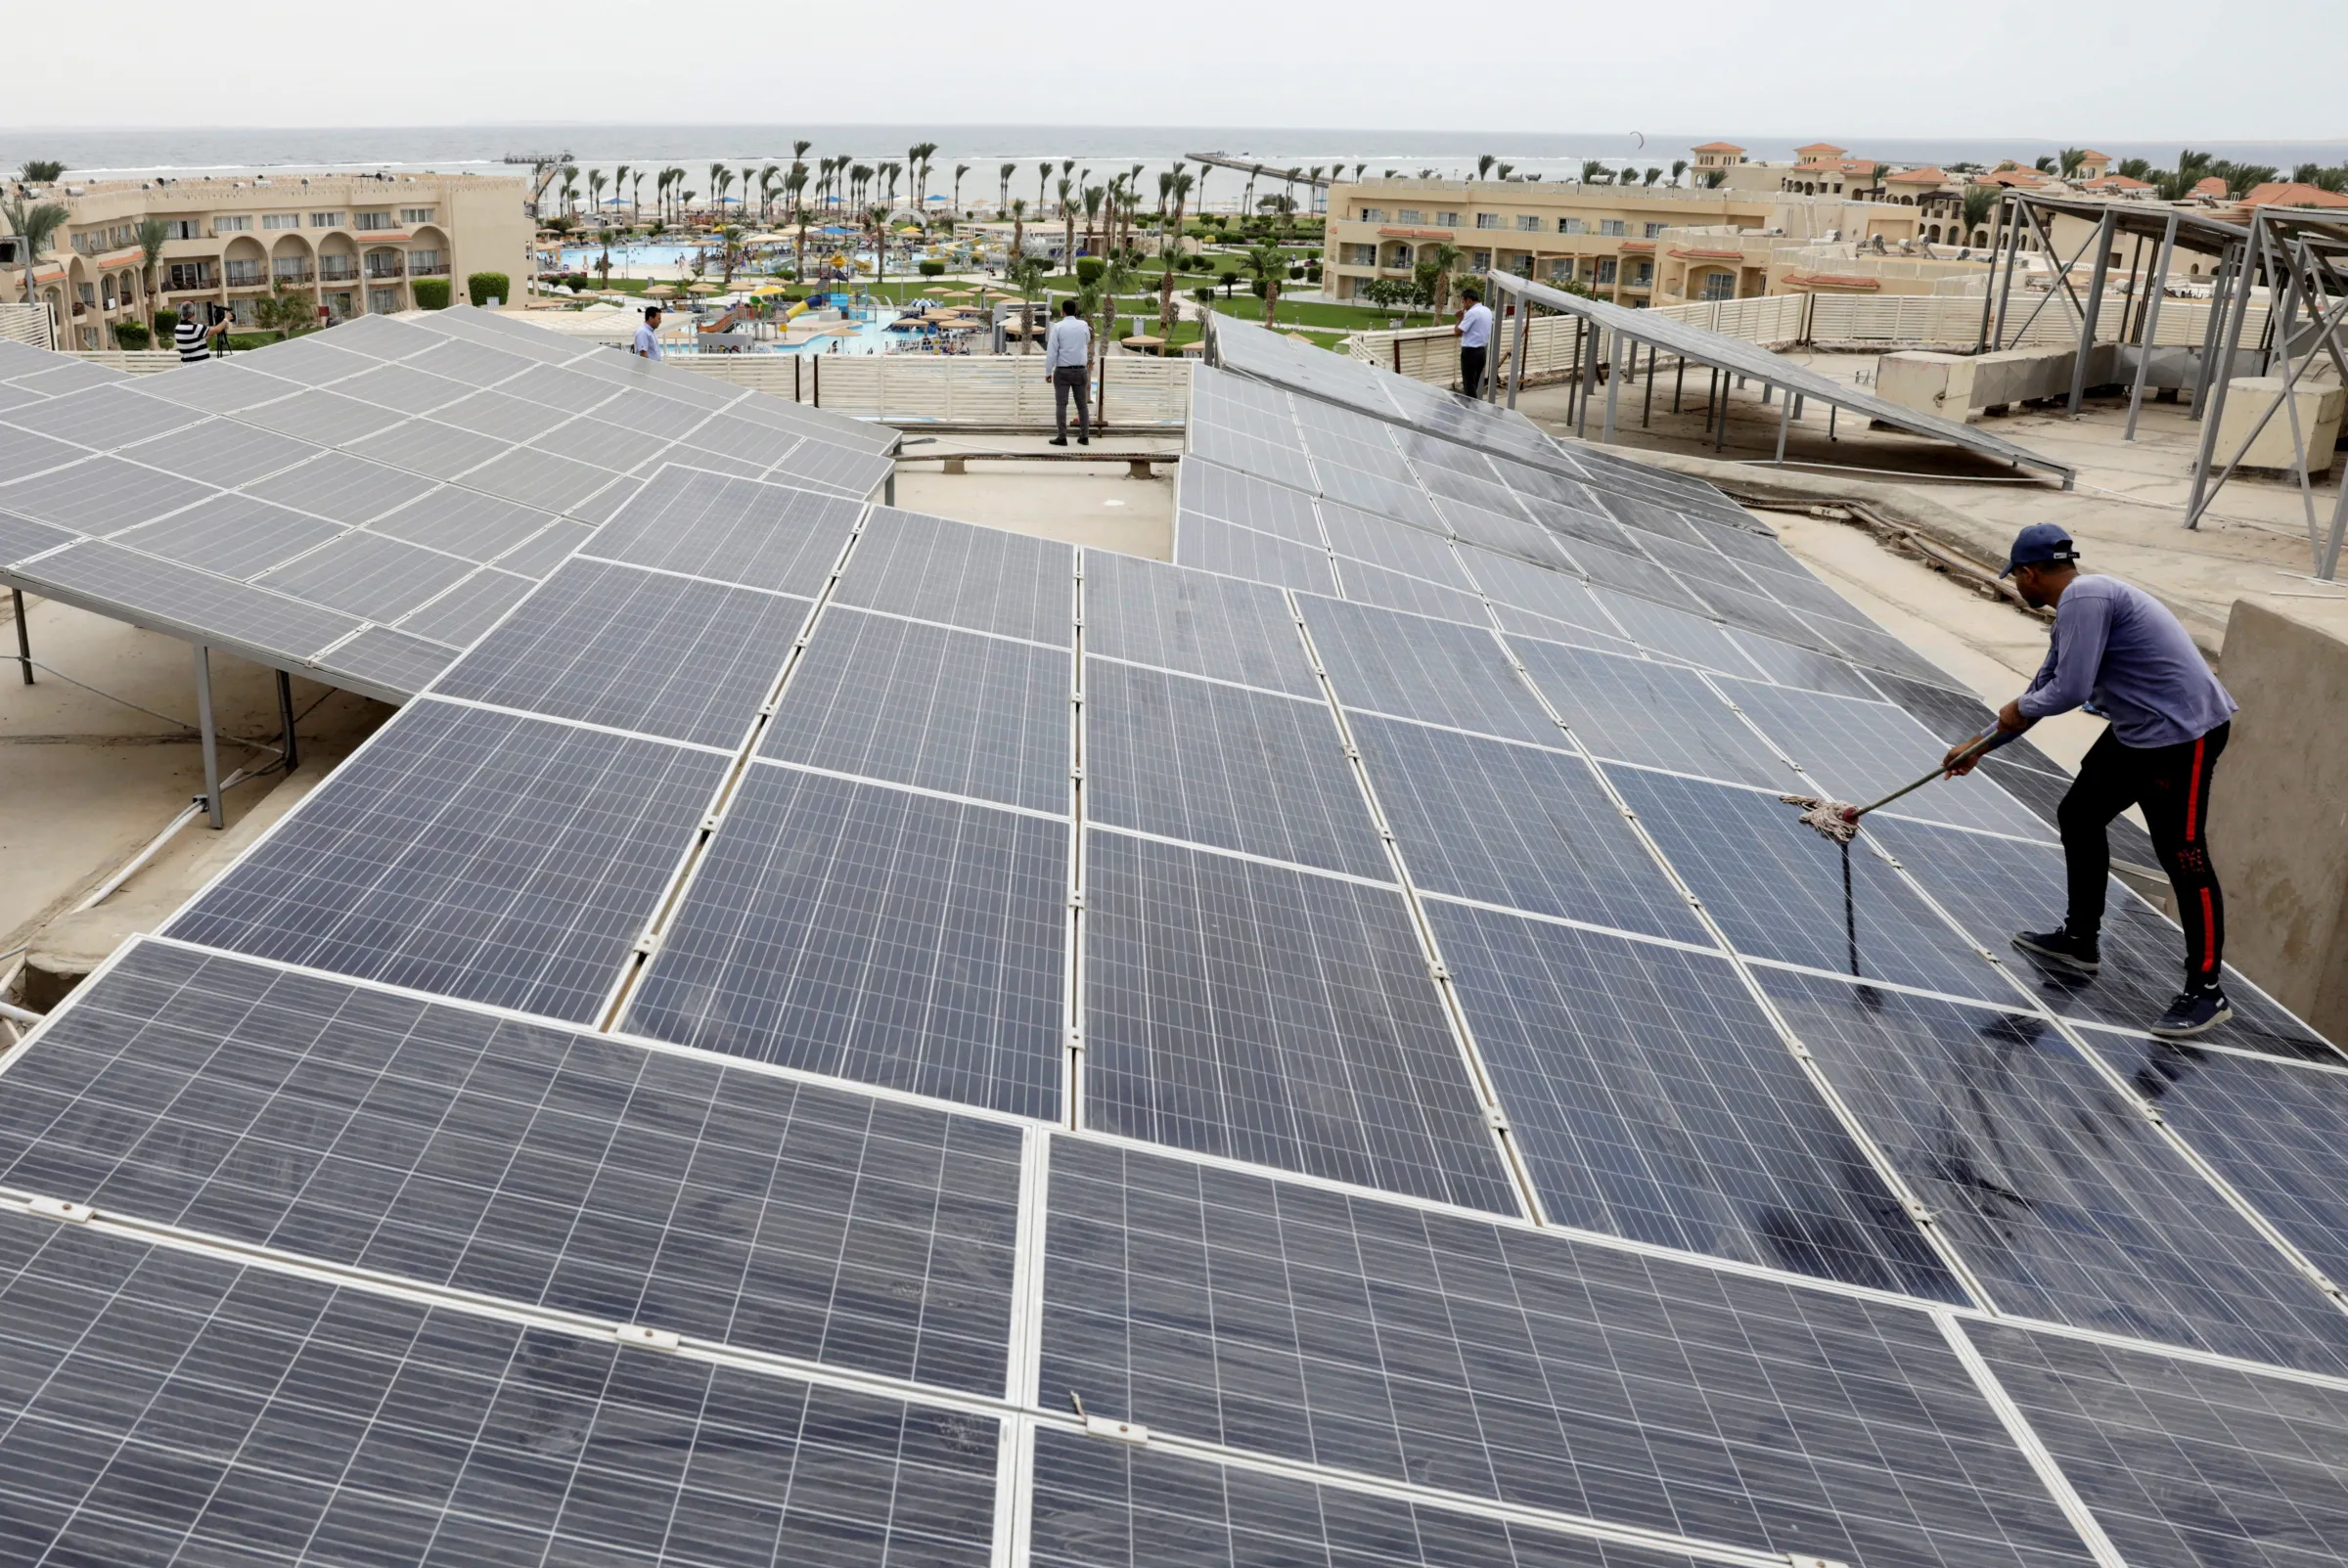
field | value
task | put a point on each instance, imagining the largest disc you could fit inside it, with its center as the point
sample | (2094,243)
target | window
(1371,215)
(1409,215)
(1612,226)
(1528,222)
(415,214)
(1654,231)
(281,220)
(1642,275)
(89,293)
(232,225)
(189,274)
(1487,220)
(182,229)
(324,220)
(1447,221)
(1571,226)
(241,274)
(1479,261)
(1606,270)
(1562,268)
(1361,255)
(425,263)
(374,220)
(1719,285)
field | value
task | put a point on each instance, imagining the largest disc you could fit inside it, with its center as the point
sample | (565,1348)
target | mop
(1838,820)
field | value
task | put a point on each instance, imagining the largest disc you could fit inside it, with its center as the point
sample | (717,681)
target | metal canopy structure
(1612,331)
(834,1037)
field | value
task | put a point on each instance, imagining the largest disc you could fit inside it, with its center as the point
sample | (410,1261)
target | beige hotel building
(356,243)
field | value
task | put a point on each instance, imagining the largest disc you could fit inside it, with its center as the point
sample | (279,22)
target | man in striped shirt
(193,338)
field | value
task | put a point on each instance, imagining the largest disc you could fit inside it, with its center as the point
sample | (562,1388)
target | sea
(1101,149)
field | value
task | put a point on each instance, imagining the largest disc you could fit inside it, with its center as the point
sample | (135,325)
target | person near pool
(648,335)
(1473,330)
(2118,653)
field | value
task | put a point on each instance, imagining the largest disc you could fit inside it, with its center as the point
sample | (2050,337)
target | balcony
(293,277)
(240,279)
(343,271)
(385,272)
(429,269)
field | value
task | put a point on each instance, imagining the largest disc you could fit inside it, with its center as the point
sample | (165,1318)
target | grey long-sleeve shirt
(2118,651)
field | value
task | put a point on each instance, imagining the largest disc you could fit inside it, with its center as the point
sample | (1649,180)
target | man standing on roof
(1473,330)
(2119,654)
(192,337)
(1068,366)
(647,336)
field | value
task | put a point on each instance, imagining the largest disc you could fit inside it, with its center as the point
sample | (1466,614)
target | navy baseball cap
(2038,545)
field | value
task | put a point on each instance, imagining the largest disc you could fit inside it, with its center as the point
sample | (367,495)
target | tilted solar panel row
(363,502)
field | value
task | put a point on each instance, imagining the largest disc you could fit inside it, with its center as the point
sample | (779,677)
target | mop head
(1838,820)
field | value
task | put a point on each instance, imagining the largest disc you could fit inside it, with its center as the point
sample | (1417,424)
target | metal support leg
(2150,334)
(209,737)
(1614,387)
(1646,408)
(2220,376)
(1679,379)
(888,489)
(1720,436)
(286,744)
(1524,330)
(16,601)
(2328,568)
(1785,423)
(2091,317)
(1831,411)
(1589,376)
(2221,294)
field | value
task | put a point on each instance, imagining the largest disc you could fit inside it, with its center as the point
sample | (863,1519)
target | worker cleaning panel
(2120,655)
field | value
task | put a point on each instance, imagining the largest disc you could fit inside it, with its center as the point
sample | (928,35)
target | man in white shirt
(648,335)
(1473,330)
(1068,361)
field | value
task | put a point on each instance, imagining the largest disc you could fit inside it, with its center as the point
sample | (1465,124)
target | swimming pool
(583,258)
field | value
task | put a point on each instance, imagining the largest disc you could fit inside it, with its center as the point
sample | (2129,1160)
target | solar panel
(1194,623)
(1485,1362)
(189,1406)
(1414,668)
(2062,1195)
(491,856)
(873,935)
(1657,716)
(1224,765)
(636,650)
(1213,545)
(1273,1016)
(368,575)
(2182,1461)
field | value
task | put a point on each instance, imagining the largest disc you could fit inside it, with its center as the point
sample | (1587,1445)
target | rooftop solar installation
(832,1035)
(359,504)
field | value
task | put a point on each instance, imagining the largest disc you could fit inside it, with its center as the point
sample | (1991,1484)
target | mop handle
(1979,746)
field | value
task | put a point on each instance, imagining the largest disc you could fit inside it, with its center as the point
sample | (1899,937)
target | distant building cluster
(1733,229)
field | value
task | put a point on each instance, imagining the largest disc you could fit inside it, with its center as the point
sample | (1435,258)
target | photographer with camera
(195,338)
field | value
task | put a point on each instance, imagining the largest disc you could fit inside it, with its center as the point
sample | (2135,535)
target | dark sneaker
(1060,440)
(2059,947)
(1086,440)
(2193,1012)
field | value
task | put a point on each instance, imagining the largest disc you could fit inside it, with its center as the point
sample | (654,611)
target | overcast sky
(2076,71)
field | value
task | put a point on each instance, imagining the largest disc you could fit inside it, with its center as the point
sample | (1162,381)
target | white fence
(1787,321)
(134,361)
(25,323)
(982,389)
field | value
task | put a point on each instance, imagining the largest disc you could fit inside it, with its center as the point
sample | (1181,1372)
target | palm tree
(570,190)
(36,225)
(1434,274)
(1360,169)
(1592,168)
(596,180)
(877,215)
(153,235)
(960,170)
(1483,165)
(718,176)
(1975,204)
(1042,173)
(1653,174)
(2070,158)
(1270,263)
(768,178)
(619,187)
(1094,195)
(1179,187)
(1504,170)
(1679,166)
(794,184)
(1003,196)
(41,171)
(1068,223)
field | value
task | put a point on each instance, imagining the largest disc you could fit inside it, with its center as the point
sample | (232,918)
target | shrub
(166,322)
(1295,272)
(1088,270)
(1204,296)
(933,269)
(483,287)
(575,282)
(431,294)
(131,334)
(1258,287)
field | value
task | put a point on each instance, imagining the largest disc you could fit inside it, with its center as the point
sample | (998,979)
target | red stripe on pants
(2193,798)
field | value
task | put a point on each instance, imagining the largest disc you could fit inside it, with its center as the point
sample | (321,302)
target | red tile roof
(1822,147)
(2213,186)
(1717,147)
(2291,193)
(1924,176)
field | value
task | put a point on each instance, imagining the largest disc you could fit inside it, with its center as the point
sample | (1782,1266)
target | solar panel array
(837,1036)
(361,503)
